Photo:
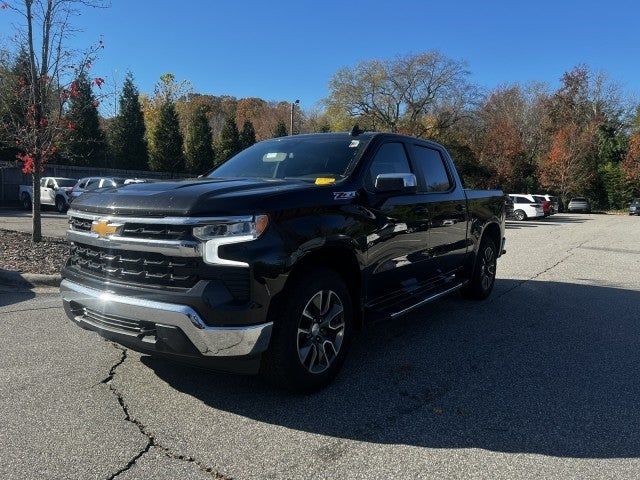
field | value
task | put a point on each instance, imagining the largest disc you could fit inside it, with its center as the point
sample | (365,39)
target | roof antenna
(355,131)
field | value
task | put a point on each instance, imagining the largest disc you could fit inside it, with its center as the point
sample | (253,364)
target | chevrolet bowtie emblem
(105,229)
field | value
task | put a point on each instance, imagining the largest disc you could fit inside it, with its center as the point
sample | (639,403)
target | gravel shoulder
(17,253)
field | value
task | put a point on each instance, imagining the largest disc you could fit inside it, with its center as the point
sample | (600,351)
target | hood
(192,197)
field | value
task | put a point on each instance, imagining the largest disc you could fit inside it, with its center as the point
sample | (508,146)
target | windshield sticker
(343,195)
(354,143)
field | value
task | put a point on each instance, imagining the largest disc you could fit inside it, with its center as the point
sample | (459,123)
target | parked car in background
(579,204)
(634,207)
(129,181)
(546,204)
(54,191)
(525,206)
(93,183)
(508,206)
(547,208)
(555,203)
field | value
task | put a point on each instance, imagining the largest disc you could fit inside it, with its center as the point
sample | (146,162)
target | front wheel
(311,336)
(520,215)
(484,272)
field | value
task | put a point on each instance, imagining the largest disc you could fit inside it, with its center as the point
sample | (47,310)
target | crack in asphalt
(152,442)
(569,252)
(29,309)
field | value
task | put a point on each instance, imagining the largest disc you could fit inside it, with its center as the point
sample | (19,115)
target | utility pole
(293,107)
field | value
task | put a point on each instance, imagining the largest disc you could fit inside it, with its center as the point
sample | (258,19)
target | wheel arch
(338,258)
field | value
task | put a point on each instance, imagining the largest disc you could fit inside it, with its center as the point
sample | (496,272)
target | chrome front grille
(132,266)
(158,252)
(157,232)
(80,224)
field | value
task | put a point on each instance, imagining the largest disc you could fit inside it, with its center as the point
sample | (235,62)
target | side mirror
(396,182)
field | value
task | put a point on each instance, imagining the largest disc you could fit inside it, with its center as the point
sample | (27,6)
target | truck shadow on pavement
(541,367)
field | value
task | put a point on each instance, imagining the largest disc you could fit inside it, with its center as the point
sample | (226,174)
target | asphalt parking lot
(540,381)
(54,224)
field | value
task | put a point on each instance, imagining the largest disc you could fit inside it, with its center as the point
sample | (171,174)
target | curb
(29,280)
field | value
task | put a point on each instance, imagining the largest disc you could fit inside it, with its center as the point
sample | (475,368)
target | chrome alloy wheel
(487,268)
(320,331)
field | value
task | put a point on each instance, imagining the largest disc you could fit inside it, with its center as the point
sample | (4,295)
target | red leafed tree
(631,164)
(44,84)
(567,168)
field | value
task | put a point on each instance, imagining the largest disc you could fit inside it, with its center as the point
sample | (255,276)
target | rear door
(442,197)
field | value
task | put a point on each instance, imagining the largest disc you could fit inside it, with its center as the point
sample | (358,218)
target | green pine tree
(167,153)
(247,135)
(127,135)
(84,143)
(229,143)
(198,144)
(281,130)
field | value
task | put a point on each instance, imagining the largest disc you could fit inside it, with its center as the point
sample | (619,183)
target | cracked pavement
(541,380)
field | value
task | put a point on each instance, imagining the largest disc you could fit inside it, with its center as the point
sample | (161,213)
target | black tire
(519,215)
(483,277)
(282,364)
(26,201)
(61,205)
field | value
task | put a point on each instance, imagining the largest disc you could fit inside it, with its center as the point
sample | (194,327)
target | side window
(92,183)
(43,182)
(431,171)
(390,158)
(50,184)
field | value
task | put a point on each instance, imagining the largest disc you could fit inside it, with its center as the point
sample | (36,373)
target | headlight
(226,231)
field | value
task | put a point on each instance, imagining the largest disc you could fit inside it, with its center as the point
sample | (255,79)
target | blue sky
(289,49)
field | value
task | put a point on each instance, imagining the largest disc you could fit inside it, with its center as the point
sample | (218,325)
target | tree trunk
(36,231)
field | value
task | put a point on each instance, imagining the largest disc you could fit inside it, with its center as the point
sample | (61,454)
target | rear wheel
(484,273)
(61,205)
(26,201)
(311,336)
(519,215)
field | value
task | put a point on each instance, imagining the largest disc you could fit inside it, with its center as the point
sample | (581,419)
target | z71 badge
(343,195)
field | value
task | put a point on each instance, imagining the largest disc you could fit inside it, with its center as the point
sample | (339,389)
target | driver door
(398,244)
(48,191)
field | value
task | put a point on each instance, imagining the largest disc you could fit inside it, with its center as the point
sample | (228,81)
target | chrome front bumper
(208,340)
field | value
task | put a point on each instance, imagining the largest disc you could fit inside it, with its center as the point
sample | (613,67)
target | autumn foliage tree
(42,86)
(566,169)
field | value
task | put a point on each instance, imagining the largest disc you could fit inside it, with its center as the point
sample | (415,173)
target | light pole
(293,107)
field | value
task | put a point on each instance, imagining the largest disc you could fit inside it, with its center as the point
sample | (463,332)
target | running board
(429,299)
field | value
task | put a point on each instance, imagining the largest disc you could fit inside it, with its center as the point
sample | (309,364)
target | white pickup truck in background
(53,191)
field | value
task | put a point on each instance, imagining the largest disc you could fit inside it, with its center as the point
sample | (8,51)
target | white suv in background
(524,206)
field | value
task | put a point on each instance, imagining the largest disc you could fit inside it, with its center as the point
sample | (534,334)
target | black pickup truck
(272,261)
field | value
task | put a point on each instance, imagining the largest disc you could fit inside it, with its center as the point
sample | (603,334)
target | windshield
(66,182)
(304,158)
(578,199)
